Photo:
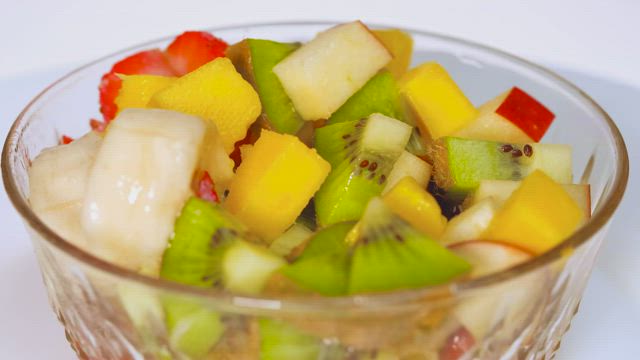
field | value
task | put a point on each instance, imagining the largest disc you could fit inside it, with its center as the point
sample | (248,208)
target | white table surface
(593,43)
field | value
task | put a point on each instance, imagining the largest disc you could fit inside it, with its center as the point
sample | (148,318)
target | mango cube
(215,92)
(436,103)
(416,206)
(400,45)
(537,216)
(137,90)
(274,183)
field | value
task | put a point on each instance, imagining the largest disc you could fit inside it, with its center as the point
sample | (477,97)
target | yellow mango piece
(400,45)
(434,101)
(274,183)
(416,206)
(215,92)
(537,216)
(137,90)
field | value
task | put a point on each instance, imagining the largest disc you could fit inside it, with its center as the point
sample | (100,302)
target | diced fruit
(193,328)
(527,113)
(137,90)
(471,223)
(291,239)
(501,190)
(246,267)
(378,95)
(409,165)
(323,266)
(322,74)
(215,161)
(264,182)
(390,254)
(149,62)
(417,145)
(205,189)
(457,344)
(460,164)
(57,183)
(281,341)
(97,126)
(400,44)
(537,216)
(255,60)
(65,140)
(217,93)
(202,234)
(499,304)
(491,126)
(139,181)
(361,154)
(192,49)
(434,101)
(415,205)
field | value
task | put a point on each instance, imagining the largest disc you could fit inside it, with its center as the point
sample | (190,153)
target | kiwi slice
(282,341)
(323,266)
(255,59)
(202,234)
(390,254)
(379,95)
(361,154)
(460,164)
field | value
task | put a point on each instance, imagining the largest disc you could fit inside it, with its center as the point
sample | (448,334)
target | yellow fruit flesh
(438,105)
(537,216)
(416,206)
(274,183)
(400,45)
(137,90)
(215,92)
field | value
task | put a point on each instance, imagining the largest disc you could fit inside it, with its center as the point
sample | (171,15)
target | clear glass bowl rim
(315,303)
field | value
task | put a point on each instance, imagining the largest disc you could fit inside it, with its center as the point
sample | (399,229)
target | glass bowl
(520,313)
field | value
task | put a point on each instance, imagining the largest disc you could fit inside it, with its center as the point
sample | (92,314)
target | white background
(593,43)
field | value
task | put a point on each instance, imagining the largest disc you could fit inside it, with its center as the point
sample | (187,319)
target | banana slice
(57,182)
(138,184)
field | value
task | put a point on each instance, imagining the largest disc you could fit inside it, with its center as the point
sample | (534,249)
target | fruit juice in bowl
(314,191)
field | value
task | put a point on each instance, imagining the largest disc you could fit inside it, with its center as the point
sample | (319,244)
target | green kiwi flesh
(281,341)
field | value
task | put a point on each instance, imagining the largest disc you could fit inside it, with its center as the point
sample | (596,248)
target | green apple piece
(378,95)
(471,223)
(255,59)
(324,73)
(409,165)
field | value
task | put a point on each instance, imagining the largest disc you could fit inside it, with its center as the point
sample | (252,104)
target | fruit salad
(330,168)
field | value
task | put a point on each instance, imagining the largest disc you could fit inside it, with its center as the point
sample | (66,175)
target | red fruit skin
(66,140)
(526,113)
(457,344)
(192,49)
(252,136)
(97,125)
(206,189)
(149,62)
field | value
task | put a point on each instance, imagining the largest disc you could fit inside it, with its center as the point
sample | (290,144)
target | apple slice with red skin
(526,112)
(457,344)
(507,303)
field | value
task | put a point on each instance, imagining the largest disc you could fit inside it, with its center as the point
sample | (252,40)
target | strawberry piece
(149,62)
(206,189)
(66,140)
(526,113)
(457,344)
(192,49)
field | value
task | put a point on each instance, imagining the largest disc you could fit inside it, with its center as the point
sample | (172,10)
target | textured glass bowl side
(85,293)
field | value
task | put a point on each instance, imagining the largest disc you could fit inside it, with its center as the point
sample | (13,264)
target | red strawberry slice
(193,49)
(206,189)
(149,62)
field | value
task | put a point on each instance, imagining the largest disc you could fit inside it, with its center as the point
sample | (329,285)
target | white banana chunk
(138,184)
(57,183)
